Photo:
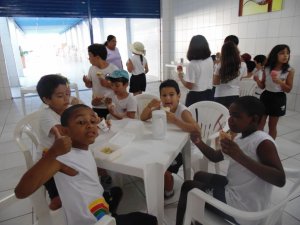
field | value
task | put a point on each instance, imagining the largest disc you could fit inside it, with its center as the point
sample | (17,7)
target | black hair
(246,57)
(169,83)
(65,116)
(48,83)
(98,50)
(233,39)
(213,57)
(109,38)
(251,106)
(198,48)
(260,59)
(250,66)
(230,62)
(273,57)
(123,80)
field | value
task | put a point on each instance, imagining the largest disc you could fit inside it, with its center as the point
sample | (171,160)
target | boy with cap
(121,104)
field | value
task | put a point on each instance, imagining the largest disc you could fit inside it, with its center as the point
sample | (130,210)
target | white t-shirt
(231,88)
(179,110)
(138,66)
(128,104)
(98,89)
(245,190)
(78,192)
(258,90)
(114,57)
(200,73)
(270,85)
(48,119)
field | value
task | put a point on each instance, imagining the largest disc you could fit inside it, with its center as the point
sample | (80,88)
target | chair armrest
(201,196)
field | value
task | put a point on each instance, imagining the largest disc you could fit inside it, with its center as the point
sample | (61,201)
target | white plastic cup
(103,125)
(159,124)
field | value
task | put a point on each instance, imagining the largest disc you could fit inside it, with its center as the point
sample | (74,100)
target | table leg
(186,153)
(154,188)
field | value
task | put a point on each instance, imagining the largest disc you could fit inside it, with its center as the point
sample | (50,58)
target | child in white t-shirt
(54,92)
(75,171)
(177,114)
(120,104)
(254,164)
(96,77)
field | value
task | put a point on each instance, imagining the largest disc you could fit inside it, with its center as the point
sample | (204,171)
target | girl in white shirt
(199,72)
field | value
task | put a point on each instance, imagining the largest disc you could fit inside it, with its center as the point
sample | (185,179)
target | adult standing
(199,72)
(113,54)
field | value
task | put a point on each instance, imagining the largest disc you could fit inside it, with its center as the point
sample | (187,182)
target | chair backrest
(270,216)
(29,125)
(142,101)
(211,117)
(247,87)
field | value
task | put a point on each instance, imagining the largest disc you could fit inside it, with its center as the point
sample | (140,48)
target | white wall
(218,18)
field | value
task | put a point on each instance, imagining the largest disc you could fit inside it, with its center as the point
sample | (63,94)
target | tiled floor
(12,165)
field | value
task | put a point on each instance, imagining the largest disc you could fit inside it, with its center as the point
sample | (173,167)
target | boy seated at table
(121,104)
(75,172)
(54,91)
(177,114)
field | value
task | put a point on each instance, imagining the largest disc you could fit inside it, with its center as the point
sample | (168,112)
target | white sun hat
(138,48)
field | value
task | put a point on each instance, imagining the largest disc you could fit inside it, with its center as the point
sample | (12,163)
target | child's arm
(287,84)
(147,112)
(186,123)
(260,83)
(105,83)
(45,168)
(268,168)
(216,80)
(88,83)
(129,66)
(146,68)
(130,115)
(210,153)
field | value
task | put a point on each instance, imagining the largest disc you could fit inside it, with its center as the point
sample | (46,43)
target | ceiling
(45,24)
(57,15)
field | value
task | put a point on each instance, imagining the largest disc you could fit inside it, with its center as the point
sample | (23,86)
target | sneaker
(169,194)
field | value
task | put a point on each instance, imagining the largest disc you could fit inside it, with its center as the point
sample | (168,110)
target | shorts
(176,164)
(275,103)
(101,112)
(137,83)
(198,96)
(227,100)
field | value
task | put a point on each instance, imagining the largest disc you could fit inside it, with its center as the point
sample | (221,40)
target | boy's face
(239,121)
(82,128)
(119,88)
(169,98)
(59,100)
(92,59)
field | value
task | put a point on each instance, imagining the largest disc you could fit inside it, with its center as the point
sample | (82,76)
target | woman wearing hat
(113,54)
(137,65)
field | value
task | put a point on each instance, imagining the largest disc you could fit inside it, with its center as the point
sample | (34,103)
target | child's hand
(75,101)
(230,148)
(86,79)
(155,103)
(61,146)
(97,100)
(171,118)
(179,69)
(196,137)
(107,101)
(255,78)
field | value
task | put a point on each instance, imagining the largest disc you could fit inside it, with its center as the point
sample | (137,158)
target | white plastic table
(32,90)
(147,158)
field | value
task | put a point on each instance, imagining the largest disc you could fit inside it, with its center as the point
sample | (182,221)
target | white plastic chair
(196,211)
(211,117)
(29,125)
(247,87)
(142,101)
